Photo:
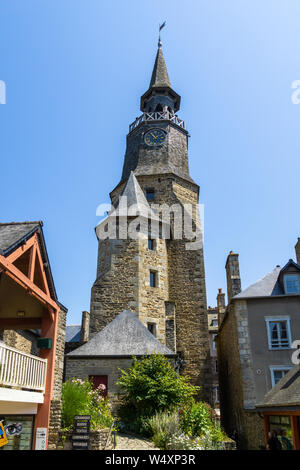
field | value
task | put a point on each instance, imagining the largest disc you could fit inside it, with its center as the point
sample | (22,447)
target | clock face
(155,137)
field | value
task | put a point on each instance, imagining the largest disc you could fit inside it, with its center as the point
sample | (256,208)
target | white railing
(158,116)
(21,370)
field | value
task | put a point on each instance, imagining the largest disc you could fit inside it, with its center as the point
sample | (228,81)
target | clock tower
(159,279)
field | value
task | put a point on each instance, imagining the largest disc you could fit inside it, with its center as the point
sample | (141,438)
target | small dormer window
(291,284)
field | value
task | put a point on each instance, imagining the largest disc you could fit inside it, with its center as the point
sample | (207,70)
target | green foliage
(79,398)
(162,427)
(152,385)
(193,428)
(198,420)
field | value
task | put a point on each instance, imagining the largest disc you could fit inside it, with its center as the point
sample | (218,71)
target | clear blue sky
(75,70)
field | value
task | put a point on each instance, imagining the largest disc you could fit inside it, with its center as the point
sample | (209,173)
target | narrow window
(150,194)
(153,279)
(152,328)
(217,394)
(151,245)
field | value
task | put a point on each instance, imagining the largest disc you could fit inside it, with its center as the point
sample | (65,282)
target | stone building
(212,315)
(32,334)
(110,350)
(160,278)
(255,344)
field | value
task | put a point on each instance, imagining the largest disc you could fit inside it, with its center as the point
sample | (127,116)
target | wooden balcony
(23,371)
(157,116)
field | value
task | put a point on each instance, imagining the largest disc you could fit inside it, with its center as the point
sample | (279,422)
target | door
(100,381)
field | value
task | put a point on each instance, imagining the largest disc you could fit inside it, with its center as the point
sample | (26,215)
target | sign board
(3,438)
(81,432)
(41,439)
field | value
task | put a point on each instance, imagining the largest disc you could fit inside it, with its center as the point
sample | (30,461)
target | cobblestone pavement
(129,442)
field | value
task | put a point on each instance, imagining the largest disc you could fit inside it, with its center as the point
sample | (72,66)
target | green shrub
(196,420)
(162,426)
(152,385)
(79,398)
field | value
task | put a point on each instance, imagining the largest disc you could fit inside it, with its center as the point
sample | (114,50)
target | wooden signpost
(81,432)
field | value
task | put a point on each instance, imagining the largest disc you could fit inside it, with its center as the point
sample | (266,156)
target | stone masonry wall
(82,368)
(55,409)
(23,340)
(236,379)
(117,288)
(181,280)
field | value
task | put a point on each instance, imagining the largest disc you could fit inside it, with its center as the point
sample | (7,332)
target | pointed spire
(160,76)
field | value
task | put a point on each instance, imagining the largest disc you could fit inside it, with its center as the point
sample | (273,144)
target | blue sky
(74,72)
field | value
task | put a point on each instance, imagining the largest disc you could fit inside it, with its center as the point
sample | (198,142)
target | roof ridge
(26,222)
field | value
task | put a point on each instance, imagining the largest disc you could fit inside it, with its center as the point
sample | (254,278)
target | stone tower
(157,278)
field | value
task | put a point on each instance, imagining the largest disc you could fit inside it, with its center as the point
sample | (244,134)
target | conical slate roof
(135,199)
(136,202)
(124,336)
(160,76)
(135,205)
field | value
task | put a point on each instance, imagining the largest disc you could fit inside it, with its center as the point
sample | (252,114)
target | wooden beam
(20,323)
(23,280)
(22,249)
(32,262)
(38,254)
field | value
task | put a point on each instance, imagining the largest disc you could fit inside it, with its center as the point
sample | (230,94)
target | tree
(151,384)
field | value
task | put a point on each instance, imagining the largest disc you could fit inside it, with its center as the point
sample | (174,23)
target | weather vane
(161,26)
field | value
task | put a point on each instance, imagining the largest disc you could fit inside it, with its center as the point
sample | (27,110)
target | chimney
(221,306)
(297,248)
(85,325)
(233,275)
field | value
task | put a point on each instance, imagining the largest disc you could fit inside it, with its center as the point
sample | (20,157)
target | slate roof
(125,336)
(286,392)
(267,286)
(160,76)
(73,333)
(13,233)
(135,200)
(135,197)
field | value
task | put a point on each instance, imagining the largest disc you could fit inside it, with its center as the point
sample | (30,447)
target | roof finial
(161,26)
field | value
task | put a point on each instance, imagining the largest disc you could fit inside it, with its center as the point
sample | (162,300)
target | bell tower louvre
(155,276)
